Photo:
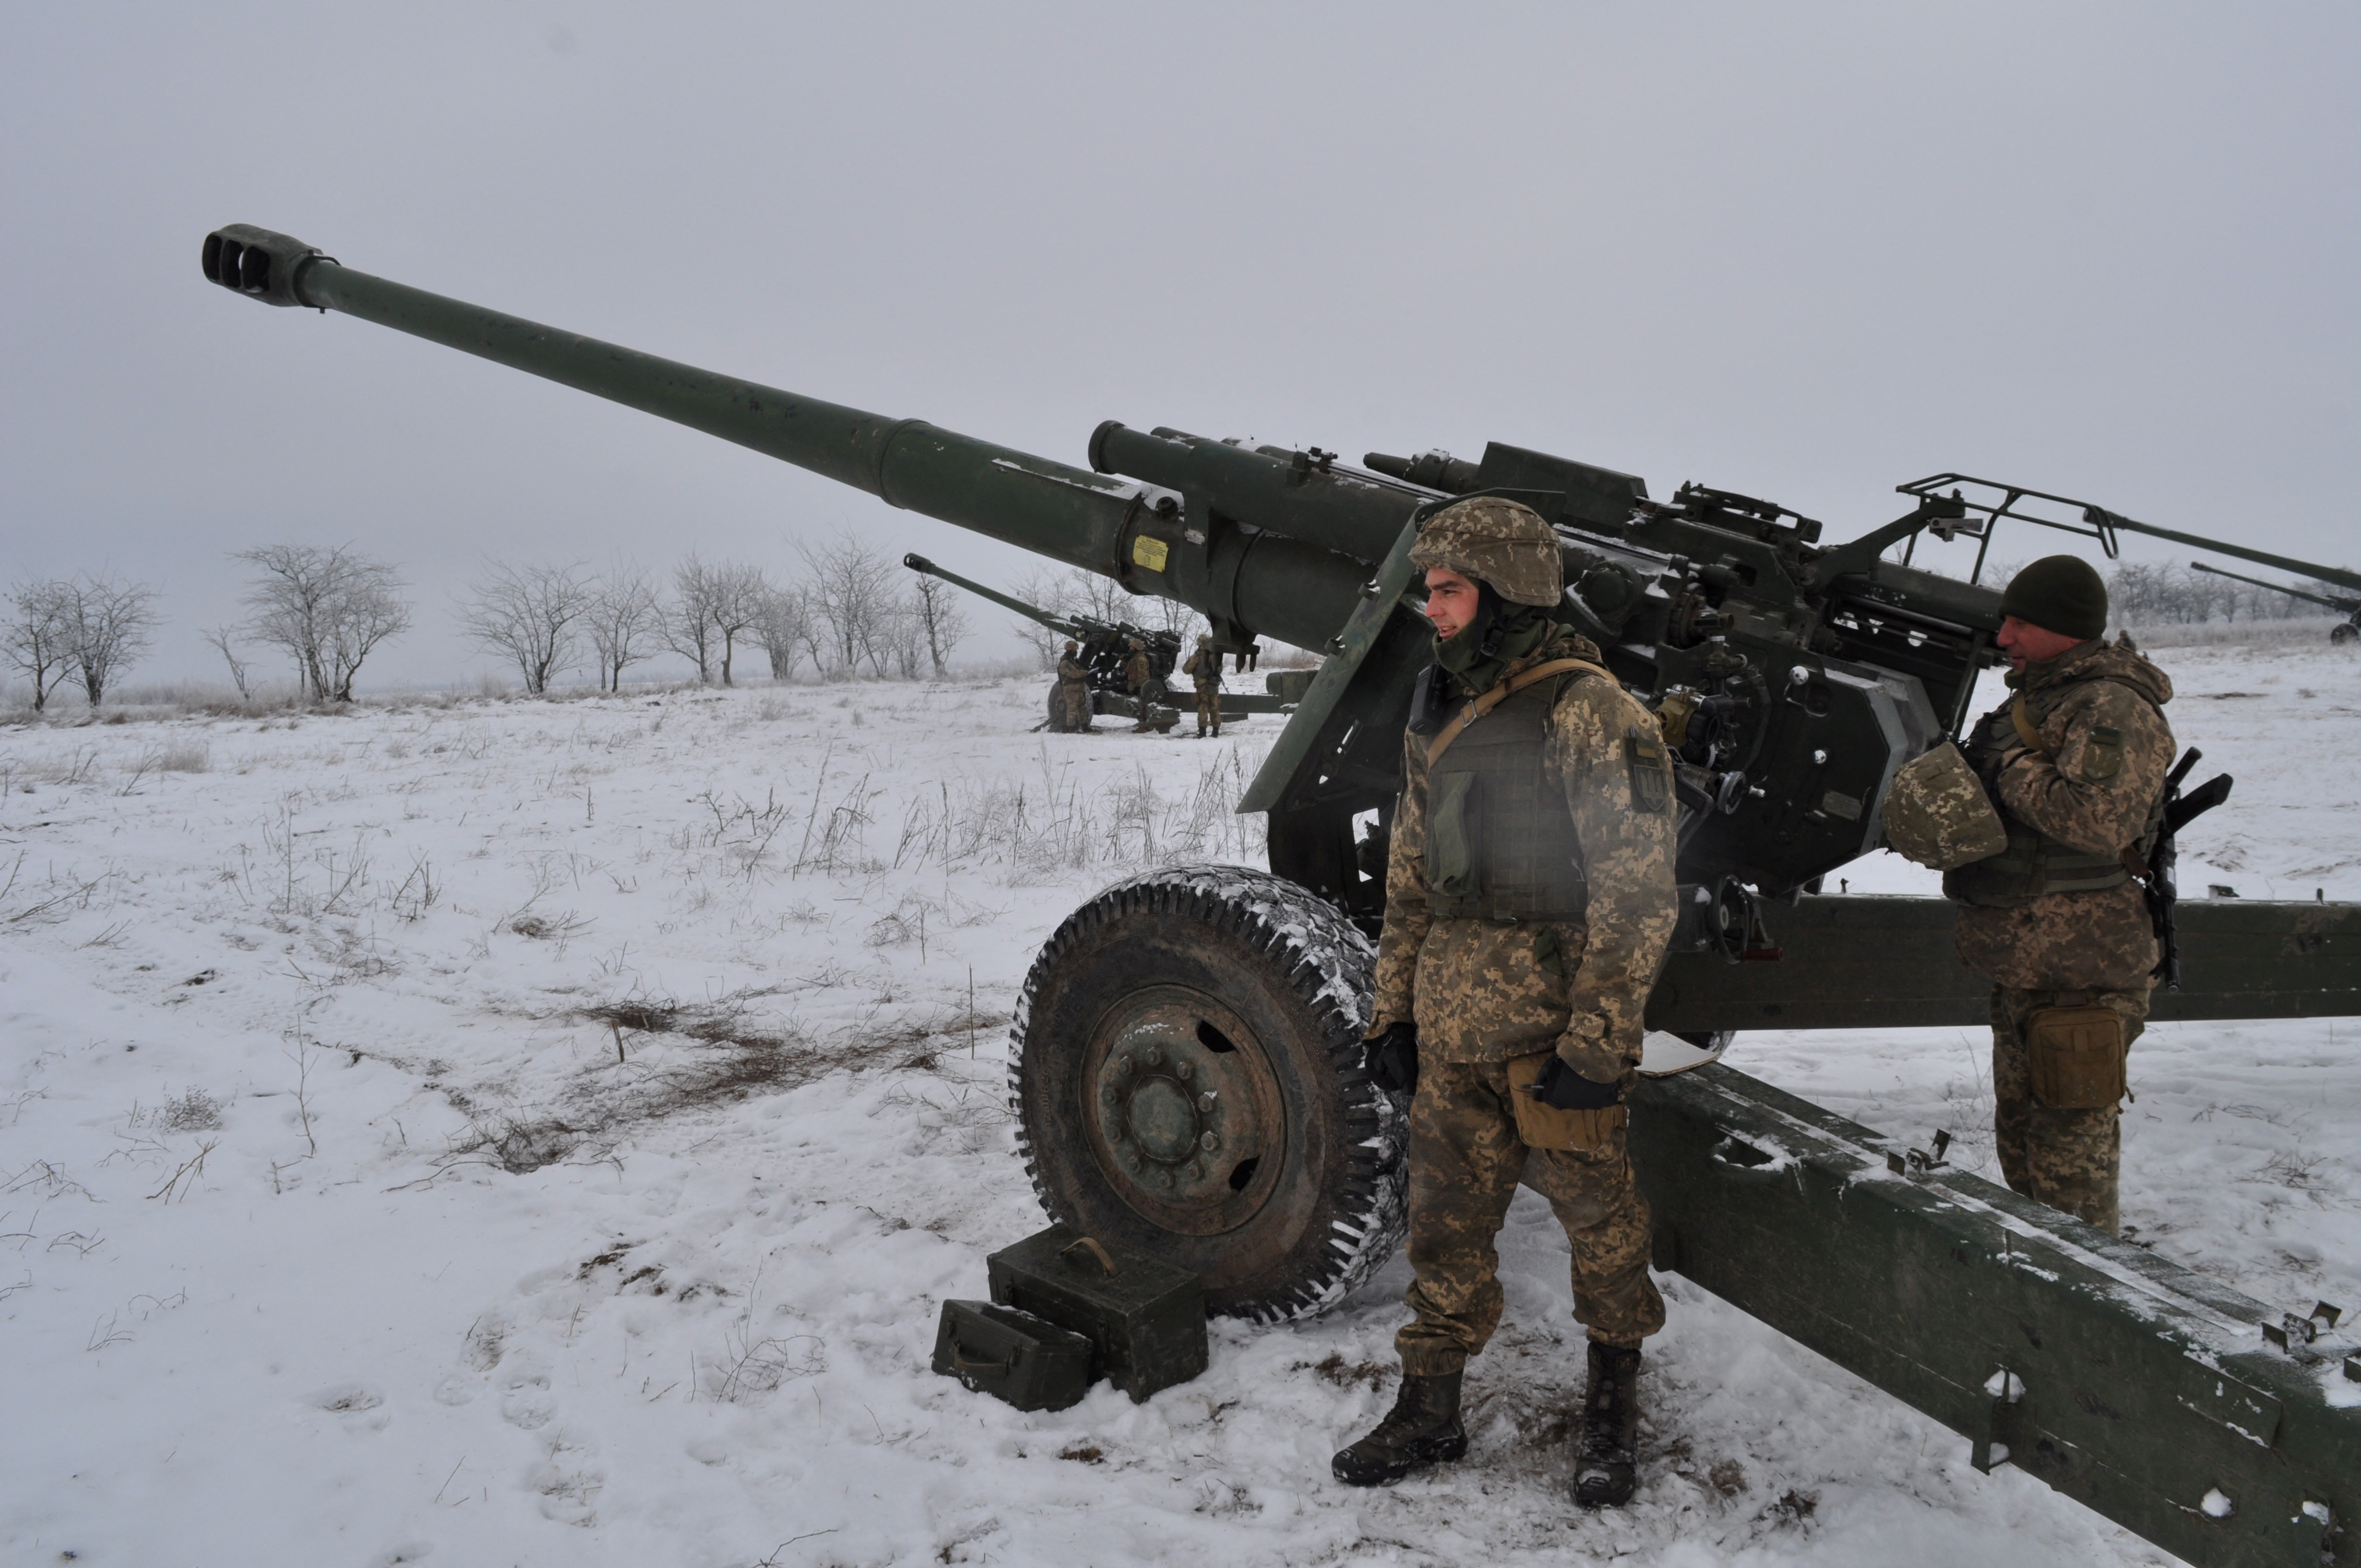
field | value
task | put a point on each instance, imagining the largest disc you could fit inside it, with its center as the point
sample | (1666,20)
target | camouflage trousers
(1209,710)
(1465,1160)
(1075,704)
(2066,1159)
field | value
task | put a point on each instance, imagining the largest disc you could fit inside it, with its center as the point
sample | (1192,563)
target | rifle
(2178,810)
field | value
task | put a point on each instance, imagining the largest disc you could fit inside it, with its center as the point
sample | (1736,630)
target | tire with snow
(1186,1081)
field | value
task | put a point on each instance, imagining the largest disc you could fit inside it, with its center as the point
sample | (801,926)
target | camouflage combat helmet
(1073,646)
(1205,640)
(1489,540)
(1937,815)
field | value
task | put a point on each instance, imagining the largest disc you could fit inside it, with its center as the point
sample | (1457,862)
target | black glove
(1392,1059)
(1562,1089)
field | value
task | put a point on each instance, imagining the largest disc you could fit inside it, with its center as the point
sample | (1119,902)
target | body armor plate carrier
(2035,864)
(1500,839)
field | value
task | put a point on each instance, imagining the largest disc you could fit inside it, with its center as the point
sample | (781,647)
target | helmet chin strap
(1490,627)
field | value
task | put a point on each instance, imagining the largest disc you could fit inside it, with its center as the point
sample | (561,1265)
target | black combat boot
(1605,1458)
(1422,1428)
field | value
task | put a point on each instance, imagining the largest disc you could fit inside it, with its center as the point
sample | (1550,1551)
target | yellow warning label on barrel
(1151,552)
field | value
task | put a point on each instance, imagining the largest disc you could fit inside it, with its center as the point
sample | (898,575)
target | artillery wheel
(1187,1083)
(2343,632)
(1058,725)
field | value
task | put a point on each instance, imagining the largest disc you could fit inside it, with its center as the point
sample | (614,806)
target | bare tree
(745,594)
(39,637)
(623,618)
(941,622)
(902,640)
(108,624)
(787,630)
(852,595)
(328,608)
(689,627)
(219,637)
(1053,591)
(1101,599)
(532,614)
(713,607)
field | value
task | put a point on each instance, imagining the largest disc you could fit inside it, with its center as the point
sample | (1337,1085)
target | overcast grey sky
(1802,251)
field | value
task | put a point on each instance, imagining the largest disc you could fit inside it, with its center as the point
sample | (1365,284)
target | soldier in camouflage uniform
(1139,680)
(1073,692)
(1529,901)
(1204,667)
(2075,764)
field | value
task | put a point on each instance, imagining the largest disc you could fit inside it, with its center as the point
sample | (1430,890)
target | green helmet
(1489,540)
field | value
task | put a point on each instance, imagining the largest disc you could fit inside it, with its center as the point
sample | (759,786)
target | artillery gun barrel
(1057,623)
(2342,606)
(2342,578)
(1296,589)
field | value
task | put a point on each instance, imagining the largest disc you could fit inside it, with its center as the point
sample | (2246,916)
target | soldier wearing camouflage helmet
(1529,901)
(1204,667)
(1074,690)
(2074,764)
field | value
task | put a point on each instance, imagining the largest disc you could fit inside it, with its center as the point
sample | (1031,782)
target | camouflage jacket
(1204,667)
(1138,671)
(2081,787)
(1483,991)
(1072,671)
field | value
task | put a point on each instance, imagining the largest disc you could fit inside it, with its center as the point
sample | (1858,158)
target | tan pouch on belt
(2077,1057)
(1543,1126)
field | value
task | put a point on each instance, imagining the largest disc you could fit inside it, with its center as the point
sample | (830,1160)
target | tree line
(845,614)
(2173,593)
(847,611)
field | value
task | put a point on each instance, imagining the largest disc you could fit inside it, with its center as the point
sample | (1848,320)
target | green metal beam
(2129,1384)
(1856,963)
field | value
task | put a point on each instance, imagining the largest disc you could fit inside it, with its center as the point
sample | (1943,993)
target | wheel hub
(1182,1109)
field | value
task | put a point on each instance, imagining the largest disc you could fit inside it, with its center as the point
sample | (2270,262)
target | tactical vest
(1500,843)
(2035,864)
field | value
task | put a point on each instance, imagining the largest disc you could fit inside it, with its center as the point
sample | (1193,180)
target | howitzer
(1103,648)
(1186,1074)
(2345,631)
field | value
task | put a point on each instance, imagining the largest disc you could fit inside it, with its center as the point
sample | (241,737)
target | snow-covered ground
(542,1132)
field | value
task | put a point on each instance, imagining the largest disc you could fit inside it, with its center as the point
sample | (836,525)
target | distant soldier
(1204,667)
(1139,680)
(2075,764)
(1072,695)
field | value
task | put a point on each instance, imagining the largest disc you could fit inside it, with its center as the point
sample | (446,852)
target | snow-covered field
(522,1133)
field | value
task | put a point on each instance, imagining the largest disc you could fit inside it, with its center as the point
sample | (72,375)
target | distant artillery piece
(1104,649)
(2343,632)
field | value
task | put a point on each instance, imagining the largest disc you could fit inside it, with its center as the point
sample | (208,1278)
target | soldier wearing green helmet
(1529,901)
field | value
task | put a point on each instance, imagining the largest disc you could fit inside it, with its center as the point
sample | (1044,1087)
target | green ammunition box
(1145,1320)
(1011,1355)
